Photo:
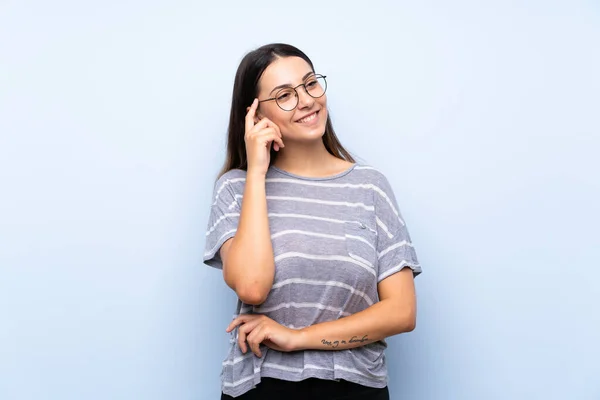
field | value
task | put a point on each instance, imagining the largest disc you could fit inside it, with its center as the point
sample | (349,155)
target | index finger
(250,115)
(237,321)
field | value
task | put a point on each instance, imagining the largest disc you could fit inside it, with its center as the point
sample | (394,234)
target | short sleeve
(223,219)
(395,249)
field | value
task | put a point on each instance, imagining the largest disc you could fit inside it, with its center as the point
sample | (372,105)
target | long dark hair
(245,91)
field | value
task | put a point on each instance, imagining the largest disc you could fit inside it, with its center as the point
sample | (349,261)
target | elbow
(252,290)
(406,322)
(410,324)
(252,295)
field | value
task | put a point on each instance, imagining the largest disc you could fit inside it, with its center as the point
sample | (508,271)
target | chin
(306,134)
(314,130)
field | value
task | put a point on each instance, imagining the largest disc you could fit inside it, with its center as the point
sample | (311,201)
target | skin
(305,153)
(302,152)
(248,266)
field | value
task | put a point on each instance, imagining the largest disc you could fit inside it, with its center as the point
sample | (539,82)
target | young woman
(313,244)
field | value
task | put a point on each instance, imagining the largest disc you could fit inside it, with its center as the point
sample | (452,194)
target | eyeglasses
(287,98)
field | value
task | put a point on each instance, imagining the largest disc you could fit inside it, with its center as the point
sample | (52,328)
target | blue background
(485,116)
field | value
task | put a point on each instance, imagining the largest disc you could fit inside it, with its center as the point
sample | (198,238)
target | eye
(311,84)
(285,95)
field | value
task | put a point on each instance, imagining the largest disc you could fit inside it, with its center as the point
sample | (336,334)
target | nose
(304,99)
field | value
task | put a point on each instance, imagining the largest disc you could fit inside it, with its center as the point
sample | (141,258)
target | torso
(324,236)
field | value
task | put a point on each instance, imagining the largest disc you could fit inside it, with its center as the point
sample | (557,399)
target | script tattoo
(335,343)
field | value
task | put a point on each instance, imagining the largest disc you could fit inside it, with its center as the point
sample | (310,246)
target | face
(307,121)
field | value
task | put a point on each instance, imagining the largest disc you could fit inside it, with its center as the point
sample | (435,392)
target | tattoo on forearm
(335,343)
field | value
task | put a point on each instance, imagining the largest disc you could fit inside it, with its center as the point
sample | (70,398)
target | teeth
(309,118)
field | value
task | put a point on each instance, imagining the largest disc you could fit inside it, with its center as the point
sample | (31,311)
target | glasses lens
(287,99)
(316,86)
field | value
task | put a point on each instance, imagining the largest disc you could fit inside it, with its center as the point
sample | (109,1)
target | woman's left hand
(256,329)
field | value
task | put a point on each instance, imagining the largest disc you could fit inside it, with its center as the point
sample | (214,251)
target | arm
(395,313)
(248,265)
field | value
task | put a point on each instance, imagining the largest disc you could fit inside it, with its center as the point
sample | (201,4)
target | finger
(244,331)
(267,136)
(242,340)
(259,131)
(277,140)
(255,339)
(250,322)
(273,135)
(260,125)
(250,115)
(240,319)
(273,125)
(237,321)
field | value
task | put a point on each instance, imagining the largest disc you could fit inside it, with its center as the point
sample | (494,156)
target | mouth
(308,118)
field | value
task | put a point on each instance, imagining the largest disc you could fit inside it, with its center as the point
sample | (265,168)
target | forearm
(250,266)
(383,319)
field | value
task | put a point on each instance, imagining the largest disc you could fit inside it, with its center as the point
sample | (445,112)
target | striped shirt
(334,239)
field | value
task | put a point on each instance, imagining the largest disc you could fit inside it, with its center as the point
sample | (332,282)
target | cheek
(277,117)
(325,113)
(322,101)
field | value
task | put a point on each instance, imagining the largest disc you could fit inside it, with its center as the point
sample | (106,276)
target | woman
(317,251)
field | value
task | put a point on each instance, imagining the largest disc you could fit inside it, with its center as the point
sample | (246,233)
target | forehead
(282,71)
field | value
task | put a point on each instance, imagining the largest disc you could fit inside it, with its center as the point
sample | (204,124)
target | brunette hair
(245,90)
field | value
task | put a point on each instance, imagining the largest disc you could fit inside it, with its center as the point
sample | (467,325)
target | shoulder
(231,180)
(237,174)
(372,175)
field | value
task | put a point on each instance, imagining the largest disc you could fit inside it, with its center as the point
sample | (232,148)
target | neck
(303,158)
(308,159)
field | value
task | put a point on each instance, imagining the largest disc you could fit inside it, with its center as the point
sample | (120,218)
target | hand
(259,138)
(256,329)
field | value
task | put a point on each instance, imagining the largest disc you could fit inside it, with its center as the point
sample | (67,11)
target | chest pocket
(361,241)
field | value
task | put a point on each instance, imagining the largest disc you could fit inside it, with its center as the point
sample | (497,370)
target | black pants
(311,389)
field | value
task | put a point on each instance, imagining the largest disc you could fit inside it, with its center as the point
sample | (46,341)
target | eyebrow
(289,84)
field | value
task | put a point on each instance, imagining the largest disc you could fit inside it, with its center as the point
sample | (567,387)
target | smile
(308,118)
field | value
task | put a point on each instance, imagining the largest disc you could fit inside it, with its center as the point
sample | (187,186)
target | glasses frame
(315,76)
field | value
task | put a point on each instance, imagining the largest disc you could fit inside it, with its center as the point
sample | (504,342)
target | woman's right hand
(259,138)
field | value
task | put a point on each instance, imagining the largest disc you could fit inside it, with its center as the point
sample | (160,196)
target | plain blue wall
(485,117)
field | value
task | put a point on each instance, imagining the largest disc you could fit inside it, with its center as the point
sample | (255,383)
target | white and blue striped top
(334,239)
